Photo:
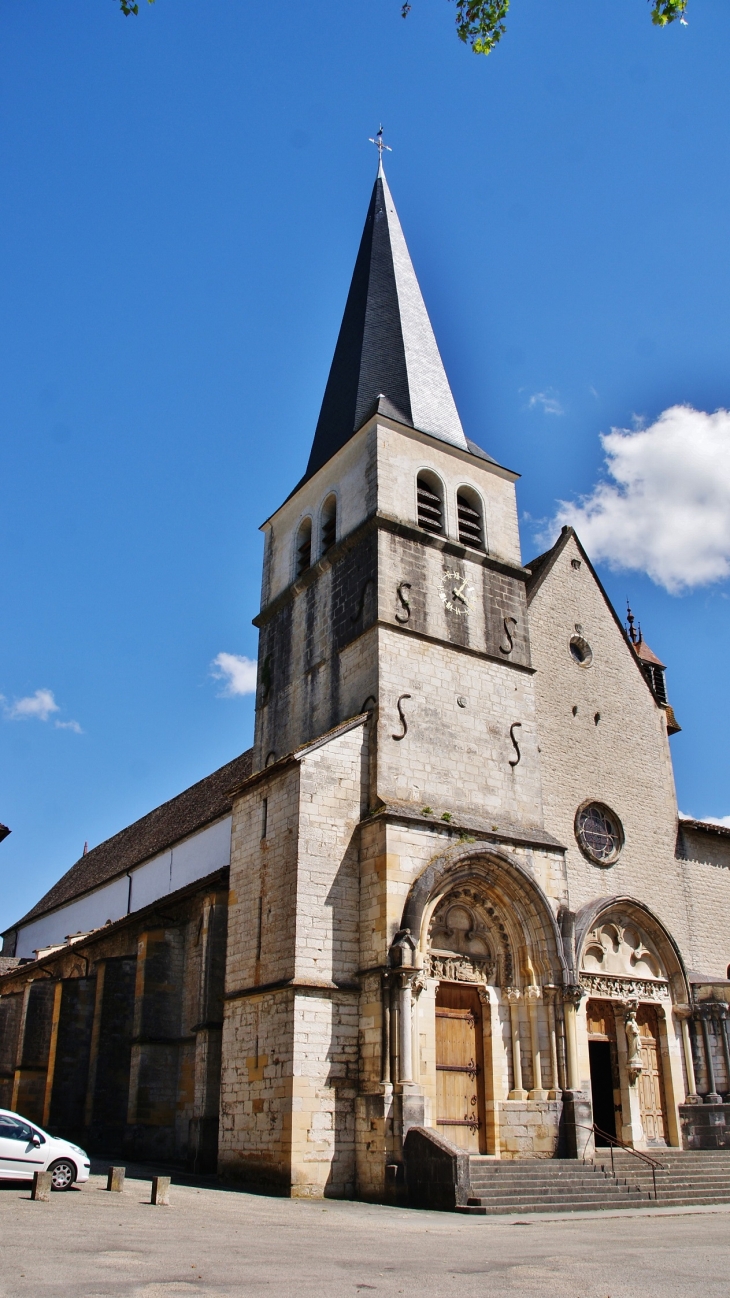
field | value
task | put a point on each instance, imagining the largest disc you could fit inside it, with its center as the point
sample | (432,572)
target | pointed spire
(386,355)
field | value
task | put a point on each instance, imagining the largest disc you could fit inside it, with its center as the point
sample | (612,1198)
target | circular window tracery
(599,833)
(581,651)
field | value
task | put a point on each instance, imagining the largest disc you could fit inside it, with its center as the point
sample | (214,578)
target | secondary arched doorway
(633,1039)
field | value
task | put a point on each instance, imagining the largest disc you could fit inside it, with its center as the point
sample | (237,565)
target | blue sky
(181,201)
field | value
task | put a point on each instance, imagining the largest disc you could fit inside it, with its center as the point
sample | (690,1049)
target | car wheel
(63,1174)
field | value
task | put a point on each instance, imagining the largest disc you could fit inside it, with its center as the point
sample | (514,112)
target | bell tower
(395,723)
(392,578)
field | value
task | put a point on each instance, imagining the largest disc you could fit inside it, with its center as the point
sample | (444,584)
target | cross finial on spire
(380,145)
(634,633)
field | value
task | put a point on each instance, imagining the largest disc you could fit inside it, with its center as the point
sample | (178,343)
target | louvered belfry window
(329,523)
(304,547)
(469,519)
(430,506)
(656,679)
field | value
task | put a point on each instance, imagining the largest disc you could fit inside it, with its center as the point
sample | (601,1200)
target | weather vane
(379,144)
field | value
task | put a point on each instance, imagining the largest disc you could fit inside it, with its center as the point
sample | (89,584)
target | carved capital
(512,994)
(573,994)
(532,993)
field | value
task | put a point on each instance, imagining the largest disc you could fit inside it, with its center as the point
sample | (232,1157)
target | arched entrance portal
(636,994)
(485,1004)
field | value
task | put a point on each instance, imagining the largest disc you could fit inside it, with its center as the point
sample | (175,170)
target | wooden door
(651,1080)
(460,1067)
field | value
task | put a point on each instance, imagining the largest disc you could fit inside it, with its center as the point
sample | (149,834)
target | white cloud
(549,402)
(665,508)
(239,674)
(39,706)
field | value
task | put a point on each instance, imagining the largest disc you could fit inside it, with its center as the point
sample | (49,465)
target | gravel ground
(219,1242)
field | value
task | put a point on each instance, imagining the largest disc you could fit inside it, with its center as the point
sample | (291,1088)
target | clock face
(456,593)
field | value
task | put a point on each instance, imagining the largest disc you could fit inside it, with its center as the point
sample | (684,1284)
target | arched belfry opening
(303,549)
(470,518)
(328,530)
(430,503)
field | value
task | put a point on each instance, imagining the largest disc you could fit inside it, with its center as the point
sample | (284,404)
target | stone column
(517,1092)
(571,1000)
(556,1085)
(722,1016)
(689,1064)
(406,1030)
(532,996)
(385,1039)
(712,1097)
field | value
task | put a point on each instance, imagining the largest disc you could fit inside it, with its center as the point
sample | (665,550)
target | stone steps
(545,1185)
(685,1179)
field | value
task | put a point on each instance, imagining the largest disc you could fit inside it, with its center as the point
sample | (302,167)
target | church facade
(448,888)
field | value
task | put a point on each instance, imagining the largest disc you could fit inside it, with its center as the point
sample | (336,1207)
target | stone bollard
(42,1182)
(160,1187)
(115,1179)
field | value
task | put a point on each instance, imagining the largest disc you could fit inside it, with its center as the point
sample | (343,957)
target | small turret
(653,668)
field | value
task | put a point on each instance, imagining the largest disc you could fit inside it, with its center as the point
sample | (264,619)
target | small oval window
(581,651)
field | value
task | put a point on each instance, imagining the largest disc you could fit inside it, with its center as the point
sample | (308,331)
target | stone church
(447,889)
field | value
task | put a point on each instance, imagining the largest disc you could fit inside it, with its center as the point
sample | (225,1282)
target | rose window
(599,833)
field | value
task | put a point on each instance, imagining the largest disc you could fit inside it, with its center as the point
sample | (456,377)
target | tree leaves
(480,23)
(668,11)
(131,6)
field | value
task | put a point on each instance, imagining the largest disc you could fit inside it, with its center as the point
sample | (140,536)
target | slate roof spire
(386,355)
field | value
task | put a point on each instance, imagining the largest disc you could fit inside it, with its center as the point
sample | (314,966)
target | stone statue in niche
(633,1044)
(618,948)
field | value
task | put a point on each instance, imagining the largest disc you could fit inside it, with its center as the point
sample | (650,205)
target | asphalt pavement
(89,1243)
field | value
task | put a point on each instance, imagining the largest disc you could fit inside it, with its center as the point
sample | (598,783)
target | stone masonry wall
(453,756)
(622,759)
(290,1064)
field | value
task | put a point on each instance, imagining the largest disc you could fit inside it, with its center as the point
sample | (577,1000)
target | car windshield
(11,1129)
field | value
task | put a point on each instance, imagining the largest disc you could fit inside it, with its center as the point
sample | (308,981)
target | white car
(26,1148)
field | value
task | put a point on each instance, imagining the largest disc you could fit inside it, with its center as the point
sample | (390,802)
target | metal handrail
(638,1153)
